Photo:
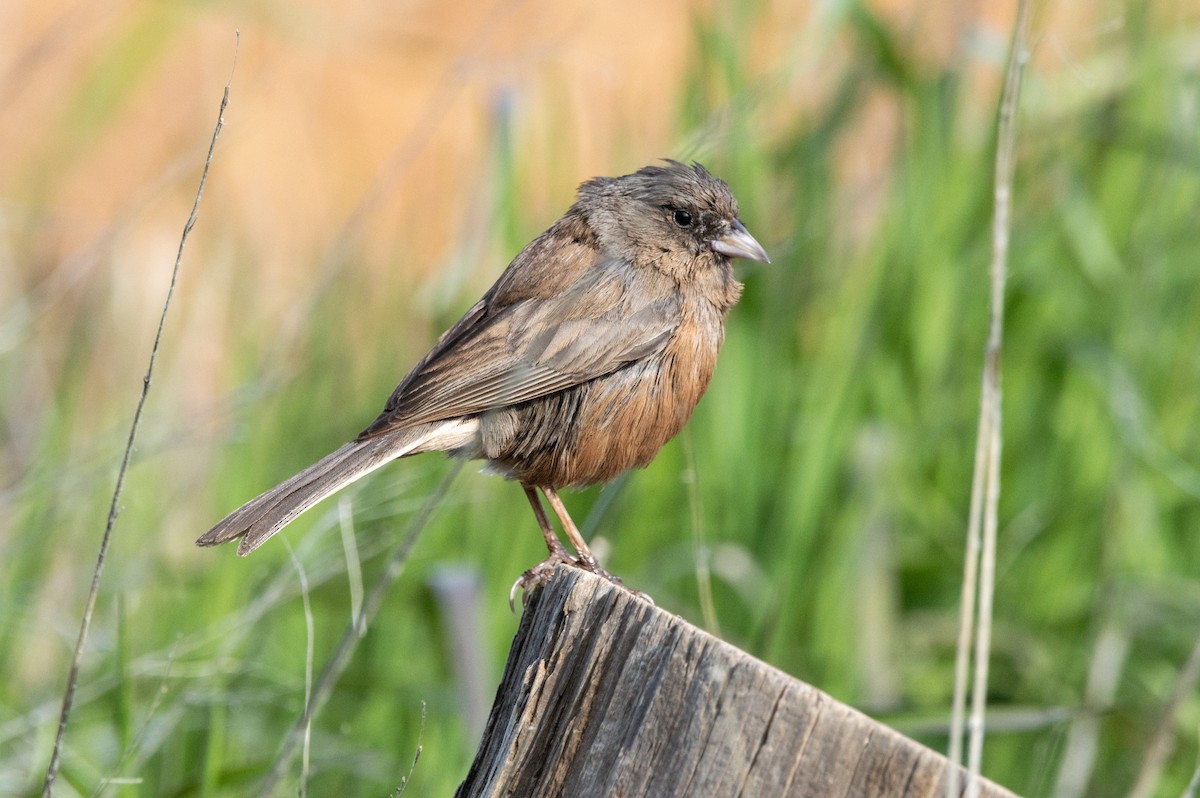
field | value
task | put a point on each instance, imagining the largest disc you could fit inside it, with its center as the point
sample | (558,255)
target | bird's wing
(610,315)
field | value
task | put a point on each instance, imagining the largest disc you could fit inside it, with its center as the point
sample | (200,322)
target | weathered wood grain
(605,695)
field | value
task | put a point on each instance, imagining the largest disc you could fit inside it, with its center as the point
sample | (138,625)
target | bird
(587,355)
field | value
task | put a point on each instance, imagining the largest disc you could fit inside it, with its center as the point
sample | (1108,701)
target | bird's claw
(539,576)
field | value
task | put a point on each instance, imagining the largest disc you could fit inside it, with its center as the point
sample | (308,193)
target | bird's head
(675,209)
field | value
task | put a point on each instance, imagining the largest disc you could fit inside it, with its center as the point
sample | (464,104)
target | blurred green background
(379,166)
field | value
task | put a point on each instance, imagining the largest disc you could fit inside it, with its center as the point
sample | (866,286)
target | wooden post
(606,695)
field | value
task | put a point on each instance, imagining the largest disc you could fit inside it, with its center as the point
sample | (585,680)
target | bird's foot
(539,575)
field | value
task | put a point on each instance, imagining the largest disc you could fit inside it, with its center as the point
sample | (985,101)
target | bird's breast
(626,417)
(593,431)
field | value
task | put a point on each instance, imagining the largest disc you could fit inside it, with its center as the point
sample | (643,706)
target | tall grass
(830,460)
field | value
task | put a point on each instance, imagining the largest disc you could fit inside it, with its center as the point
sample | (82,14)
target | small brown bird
(587,355)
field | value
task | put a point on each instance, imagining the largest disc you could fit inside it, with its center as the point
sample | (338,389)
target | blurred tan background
(368,126)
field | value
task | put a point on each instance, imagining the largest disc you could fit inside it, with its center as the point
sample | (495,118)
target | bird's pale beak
(738,243)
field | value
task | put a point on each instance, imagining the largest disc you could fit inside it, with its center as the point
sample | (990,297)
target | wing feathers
(611,316)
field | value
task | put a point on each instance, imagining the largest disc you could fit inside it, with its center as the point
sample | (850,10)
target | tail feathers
(257,520)
(260,518)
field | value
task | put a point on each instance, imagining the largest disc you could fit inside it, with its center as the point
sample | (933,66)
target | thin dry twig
(1163,739)
(966,612)
(985,484)
(114,508)
(354,632)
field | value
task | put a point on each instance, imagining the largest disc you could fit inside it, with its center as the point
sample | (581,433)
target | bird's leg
(557,550)
(586,559)
(539,574)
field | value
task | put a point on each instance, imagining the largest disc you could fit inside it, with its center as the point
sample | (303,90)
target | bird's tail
(260,518)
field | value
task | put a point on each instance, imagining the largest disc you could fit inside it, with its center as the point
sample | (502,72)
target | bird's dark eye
(682,217)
